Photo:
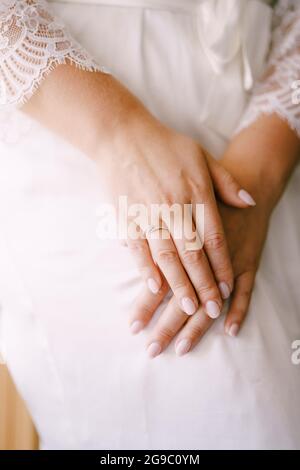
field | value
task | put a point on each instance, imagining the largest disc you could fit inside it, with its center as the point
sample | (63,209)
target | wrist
(123,121)
(114,117)
(129,132)
(254,178)
(262,158)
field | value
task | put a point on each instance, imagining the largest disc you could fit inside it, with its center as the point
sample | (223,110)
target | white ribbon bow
(229,26)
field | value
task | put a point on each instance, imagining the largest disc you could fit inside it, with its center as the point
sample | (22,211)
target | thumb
(226,186)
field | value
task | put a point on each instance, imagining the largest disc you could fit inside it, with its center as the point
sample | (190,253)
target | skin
(103,119)
(135,155)
(262,157)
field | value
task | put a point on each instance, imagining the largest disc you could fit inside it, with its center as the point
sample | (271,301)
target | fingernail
(183,347)
(224,289)
(154,349)
(188,306)
(153,286)
(246,197)
(136,327)
(212,309)
(233,329)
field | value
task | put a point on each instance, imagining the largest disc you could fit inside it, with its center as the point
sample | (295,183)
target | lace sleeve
(32,42)
(279,89)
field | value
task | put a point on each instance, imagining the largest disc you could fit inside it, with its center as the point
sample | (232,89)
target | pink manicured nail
(183,347)
(233,330)
(224,289)
(136,327)
(188,306)
(154,349)
(212,309)
(246,197)
(153,286)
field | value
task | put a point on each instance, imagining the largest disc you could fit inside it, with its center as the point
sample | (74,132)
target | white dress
(66,294)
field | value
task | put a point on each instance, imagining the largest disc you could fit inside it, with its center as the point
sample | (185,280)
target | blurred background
(16,429)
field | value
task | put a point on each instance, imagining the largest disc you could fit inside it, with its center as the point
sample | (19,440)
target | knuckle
(245,296)
(238,313)
(224,273)
(164,288)
(138,247)
(196,327)
(208,291)
(165,256)
(146,271)
(144,311)
(192,257)
(227,177)
(166,333)
(180,287)
(215,241)
(168,198)
(173,196)
(196,332)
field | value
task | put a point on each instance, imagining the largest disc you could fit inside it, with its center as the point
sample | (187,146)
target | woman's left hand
(264,169)
(246,232)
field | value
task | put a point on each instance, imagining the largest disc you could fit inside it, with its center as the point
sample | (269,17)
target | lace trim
(33,42)
(275,92)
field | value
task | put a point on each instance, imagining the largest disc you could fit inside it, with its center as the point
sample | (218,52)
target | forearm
(85,108)
(262,158)
(267,150)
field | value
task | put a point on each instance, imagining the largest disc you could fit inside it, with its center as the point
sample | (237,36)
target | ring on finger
(154,228)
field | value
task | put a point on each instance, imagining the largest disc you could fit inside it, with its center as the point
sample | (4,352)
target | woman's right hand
(151,164)
(141,159)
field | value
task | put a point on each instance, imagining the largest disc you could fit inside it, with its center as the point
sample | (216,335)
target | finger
(192,332)
(142,255)
(240,302)
(165,254)
(169,323)
(145,306)
(215,245)
(197,267)
(226,186)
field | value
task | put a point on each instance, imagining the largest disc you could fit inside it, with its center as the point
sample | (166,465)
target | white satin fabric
(66,294)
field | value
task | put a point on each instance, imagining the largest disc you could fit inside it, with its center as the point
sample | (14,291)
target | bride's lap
(67,296)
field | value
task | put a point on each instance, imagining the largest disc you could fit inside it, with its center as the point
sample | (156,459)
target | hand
(95,113)
(141,159)
(152,164)
(245,232)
